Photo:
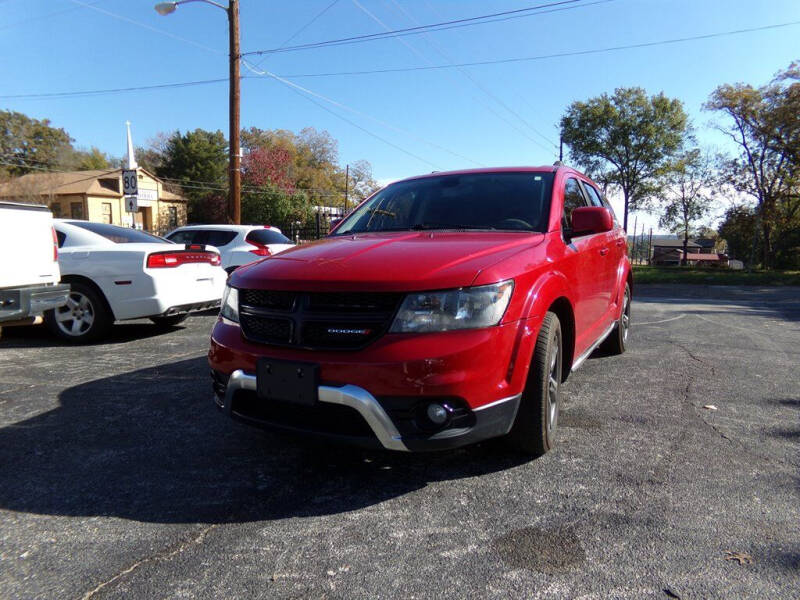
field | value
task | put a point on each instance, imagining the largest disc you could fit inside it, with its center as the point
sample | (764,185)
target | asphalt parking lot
(119,478)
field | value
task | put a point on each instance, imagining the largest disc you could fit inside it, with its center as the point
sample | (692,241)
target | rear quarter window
(266,237)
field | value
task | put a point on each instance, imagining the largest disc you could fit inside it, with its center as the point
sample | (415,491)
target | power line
(84,93)
(479,20)
(302,29)
(474,80)
(547,56)
(309,93)
(420,68)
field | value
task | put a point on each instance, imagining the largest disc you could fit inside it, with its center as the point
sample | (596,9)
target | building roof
(104,182)
(676,243)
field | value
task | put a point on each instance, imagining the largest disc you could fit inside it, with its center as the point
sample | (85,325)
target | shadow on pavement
(39,336)
(150,446)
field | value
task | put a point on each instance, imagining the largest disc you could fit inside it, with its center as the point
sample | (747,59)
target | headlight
(467,308)
(229,308)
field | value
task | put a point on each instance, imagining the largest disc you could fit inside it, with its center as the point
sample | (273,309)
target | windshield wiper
(424,226)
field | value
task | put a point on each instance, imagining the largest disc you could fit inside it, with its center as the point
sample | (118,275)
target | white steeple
(130,162)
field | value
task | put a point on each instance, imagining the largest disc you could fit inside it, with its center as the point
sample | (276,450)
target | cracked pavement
(119,479)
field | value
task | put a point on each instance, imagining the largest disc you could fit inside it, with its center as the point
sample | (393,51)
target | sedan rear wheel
(84,318)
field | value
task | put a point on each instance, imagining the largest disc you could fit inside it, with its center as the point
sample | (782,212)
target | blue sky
(503,114)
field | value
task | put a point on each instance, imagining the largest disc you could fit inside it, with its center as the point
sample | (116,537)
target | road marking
(661,321)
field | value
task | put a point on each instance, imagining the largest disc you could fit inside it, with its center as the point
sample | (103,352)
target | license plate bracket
(287,381)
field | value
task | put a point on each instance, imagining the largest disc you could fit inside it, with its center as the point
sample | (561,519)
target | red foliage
(269,166)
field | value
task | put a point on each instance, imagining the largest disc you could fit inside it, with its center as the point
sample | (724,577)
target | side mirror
(591,219)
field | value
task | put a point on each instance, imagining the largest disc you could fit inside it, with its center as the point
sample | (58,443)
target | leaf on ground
(671,594)
(709,407)
(743,558)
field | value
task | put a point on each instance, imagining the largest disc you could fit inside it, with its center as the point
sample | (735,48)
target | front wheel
(83,319)
(534,428)
(617,340)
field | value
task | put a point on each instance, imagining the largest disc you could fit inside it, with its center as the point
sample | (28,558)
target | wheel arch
(562,308)
(90,283)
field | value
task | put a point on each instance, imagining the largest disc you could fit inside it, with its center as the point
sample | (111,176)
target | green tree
(687,193)
(198,162)
(764,123)
(738,227)
(28,144)
(625,140)
(270,205)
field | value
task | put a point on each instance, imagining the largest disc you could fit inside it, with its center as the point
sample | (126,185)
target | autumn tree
(764,124)
(687,187)
(625,140)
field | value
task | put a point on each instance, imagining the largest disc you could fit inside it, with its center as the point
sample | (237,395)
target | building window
(76,210)
(173,216)
(55,208)
(107,213)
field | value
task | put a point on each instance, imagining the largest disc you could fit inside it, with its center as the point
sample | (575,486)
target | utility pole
(649,245)
(234,148)
(346,187)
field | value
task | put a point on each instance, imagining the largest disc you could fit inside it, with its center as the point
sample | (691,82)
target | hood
(388,261)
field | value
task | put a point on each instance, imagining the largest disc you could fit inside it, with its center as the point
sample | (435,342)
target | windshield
(488,201)
(119,235)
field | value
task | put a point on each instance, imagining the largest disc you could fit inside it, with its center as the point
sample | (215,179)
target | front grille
(316,320)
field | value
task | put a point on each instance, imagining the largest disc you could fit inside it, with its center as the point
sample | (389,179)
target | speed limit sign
(130,183)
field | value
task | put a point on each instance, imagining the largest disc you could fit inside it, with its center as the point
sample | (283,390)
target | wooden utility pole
(649,245)
(234,160)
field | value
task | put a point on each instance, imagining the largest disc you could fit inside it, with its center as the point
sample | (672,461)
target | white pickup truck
(29,274)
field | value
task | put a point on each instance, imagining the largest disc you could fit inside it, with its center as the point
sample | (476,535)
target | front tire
(83,319)
(534,428)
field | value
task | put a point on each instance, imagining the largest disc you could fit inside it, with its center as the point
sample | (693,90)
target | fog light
(437,414)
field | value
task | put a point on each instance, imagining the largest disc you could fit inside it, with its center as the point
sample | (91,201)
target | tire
(84,319)
(533,432)
(167,322)
(617,340)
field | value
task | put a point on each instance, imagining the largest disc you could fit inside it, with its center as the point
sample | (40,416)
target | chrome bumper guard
(347,395)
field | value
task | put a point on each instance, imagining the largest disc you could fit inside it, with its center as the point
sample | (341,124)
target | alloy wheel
(77,316)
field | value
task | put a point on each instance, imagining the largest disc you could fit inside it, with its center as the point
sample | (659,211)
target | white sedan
(237,244)
(117,273)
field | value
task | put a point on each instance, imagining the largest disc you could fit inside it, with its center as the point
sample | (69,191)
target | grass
(701,276)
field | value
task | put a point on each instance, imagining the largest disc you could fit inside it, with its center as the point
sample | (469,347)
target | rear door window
(182,237)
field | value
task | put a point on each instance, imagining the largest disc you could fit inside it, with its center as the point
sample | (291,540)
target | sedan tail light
(260,249)
(55,244)
(161,260)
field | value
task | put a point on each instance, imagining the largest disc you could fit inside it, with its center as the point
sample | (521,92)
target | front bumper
(21,303)
(237,397)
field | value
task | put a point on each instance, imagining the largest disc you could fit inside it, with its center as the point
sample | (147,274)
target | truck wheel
(83,319)
(534,428)
(618,338)
(167,322)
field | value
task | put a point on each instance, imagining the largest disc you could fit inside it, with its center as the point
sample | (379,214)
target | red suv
(446,309)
